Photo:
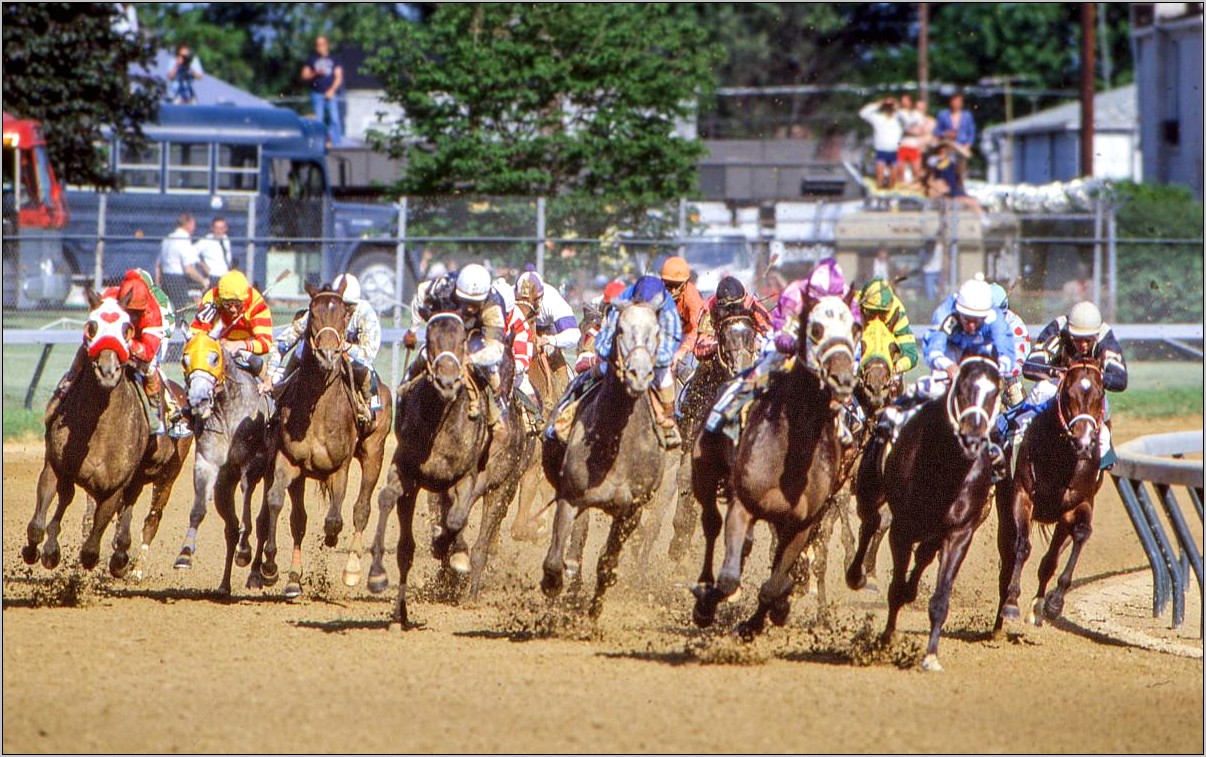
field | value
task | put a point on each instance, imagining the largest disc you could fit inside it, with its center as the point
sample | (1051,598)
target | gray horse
(231,447)
(612,459)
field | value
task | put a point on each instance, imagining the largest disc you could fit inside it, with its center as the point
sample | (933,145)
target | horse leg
(924,555)
(577,546)
(524,527)
(224,505)
(737,524)
(297,524)
(387,500)
(554,561)
(1082,529)
(687,512)
(872,558)
(119,562)
(370,472)
(651,527)
(283,475)
(711,523)
(954,549)
(1014,510)
(90,549)
(48,485)
(161,492)
(869,527)
(254,472)
(494,509)
(205,475)
(902,552)
(1047,569)
(622,526)
(456,506)
(774,597)
(400,619)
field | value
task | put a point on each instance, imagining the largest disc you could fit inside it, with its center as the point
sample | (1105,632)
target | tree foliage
(65,66)
(1158,283)
(546,99)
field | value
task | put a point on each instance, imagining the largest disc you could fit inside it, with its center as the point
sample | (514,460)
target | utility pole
(1087,80)
(1103,40)
(923,51)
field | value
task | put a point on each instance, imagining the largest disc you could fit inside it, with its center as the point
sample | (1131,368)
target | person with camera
(185,71)
(324,72)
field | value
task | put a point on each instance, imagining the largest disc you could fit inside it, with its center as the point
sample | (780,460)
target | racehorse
(230,423)
(314,434)
(548,377)
(785,468)
(98,437)
(612,459)
(1055,480)
(444,450)
(936,480)
(736,350)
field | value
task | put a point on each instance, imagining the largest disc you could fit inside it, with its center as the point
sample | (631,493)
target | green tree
(1158,283)
(65,66)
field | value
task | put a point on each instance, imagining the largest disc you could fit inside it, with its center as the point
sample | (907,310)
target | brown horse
(315,435)
(98,438)
(548,375)
(784,470)
(936,480)
(445,451)
(1055,480)
(612,459)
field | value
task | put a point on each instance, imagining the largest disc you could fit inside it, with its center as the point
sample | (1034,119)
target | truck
(35,214)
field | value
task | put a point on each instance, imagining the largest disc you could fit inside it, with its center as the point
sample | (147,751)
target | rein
(739,319)
(446,353)
(956,415)
(312,339)
(1094,419)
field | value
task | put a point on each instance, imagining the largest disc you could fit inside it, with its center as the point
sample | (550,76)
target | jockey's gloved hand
(409,340)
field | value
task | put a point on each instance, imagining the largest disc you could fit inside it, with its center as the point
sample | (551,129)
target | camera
(187,60)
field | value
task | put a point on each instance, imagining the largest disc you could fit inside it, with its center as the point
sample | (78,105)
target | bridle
(619,355)
(739,318)
(955,414)
(818,353)
(449,354)
(312,339)
(1094,418)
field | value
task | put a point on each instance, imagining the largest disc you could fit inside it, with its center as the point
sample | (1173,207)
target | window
(139,169)
(238,168)
(188,167)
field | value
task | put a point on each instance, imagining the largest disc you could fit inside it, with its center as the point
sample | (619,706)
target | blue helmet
(649,289)
(1000,298)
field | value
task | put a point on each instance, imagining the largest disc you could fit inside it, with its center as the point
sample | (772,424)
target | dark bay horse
(98,438)
(612,459)
(1055,480)
(314,435)
(230,420)
(547,375)
(445,451)
(784,470)
(737,345)
(936,480)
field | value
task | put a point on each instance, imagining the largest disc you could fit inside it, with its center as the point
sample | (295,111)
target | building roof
(210,89)
(1113,110)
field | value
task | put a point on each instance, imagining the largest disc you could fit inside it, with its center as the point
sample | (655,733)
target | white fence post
(98,269)
(249,263)
(540,230)
(399,288)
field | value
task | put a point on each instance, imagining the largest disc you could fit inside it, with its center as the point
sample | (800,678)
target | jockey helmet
(876,296)
(351,287)
(612,290)
(1000,298)
(1084,320)
(730,290)
(974,298)
(233,286)
(649,289)
(473,283)
(507,292)
(826,280)
(529,287)
(675,270)
(135,288)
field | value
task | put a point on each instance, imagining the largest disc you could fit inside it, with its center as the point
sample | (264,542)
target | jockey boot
(362,379)
(177,416)
(152,387)
(535,418)
(1104,446)
(663,415)
(567,406)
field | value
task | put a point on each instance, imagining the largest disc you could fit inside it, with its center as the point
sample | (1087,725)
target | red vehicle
(35,271)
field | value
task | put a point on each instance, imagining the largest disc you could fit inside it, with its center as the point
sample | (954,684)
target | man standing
(178,267)
(214,249)
(886,134)
(958,126)
(186,69)
(324,72)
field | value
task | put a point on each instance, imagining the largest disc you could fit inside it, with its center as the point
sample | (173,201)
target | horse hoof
(378,583)
(269,574)
(119,565)
(746,632)
(571,568)
(331,540)
(1010,613)
(704,614)
(778,614)
(331,529)
(551,584)
(1035,616)
(184,561)
(254,581)
(87,559)
(736,595)
(856,580)
(459,562)
(243,557)
(29,553)
(871,585)
(293,588)
(930,664)
(1053,606)
(351,571)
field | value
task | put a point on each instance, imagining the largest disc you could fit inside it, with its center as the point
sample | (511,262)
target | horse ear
(849,298)
(342,286)
(125,301)
(311,289)
(94,299)
(857,332)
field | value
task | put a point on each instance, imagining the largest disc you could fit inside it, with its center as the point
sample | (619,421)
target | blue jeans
(321,107)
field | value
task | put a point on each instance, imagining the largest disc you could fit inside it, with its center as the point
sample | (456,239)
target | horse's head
(446,353)
(204,363)
(877,381)
(636,342)
(828,345)
(107,336)
(1080,403)
(737,343)
(973,402)
(326,332)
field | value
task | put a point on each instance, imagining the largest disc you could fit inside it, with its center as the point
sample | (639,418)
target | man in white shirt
(214,249)
(177,270)
(887,132)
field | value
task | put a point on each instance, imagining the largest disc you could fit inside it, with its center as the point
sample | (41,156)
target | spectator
(180,79)
(214,249)
(881,267)
(943,179)
(908,156)
(177,268)
(931,270)
(887,131)
(324,72)
(958,126)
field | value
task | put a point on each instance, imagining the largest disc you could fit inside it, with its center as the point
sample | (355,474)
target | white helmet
(507,292)
(473,283)
(974,298)
(1084,319)
(351,287)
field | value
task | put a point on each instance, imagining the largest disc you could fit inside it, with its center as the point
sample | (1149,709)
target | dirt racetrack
(92,664)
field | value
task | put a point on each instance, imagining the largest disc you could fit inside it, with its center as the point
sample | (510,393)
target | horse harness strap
(956,415)
(1059,405)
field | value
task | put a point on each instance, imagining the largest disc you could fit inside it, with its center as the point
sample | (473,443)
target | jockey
(364,342)
(550,315)
(470,295)
(519,335)
(795,305)
(1079,335)
(676,276)
(1014,394)
(649,290)
(730,300)
(592,320)
(235,314)
(878,302)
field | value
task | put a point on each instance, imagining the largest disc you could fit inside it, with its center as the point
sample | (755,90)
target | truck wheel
(378,284)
